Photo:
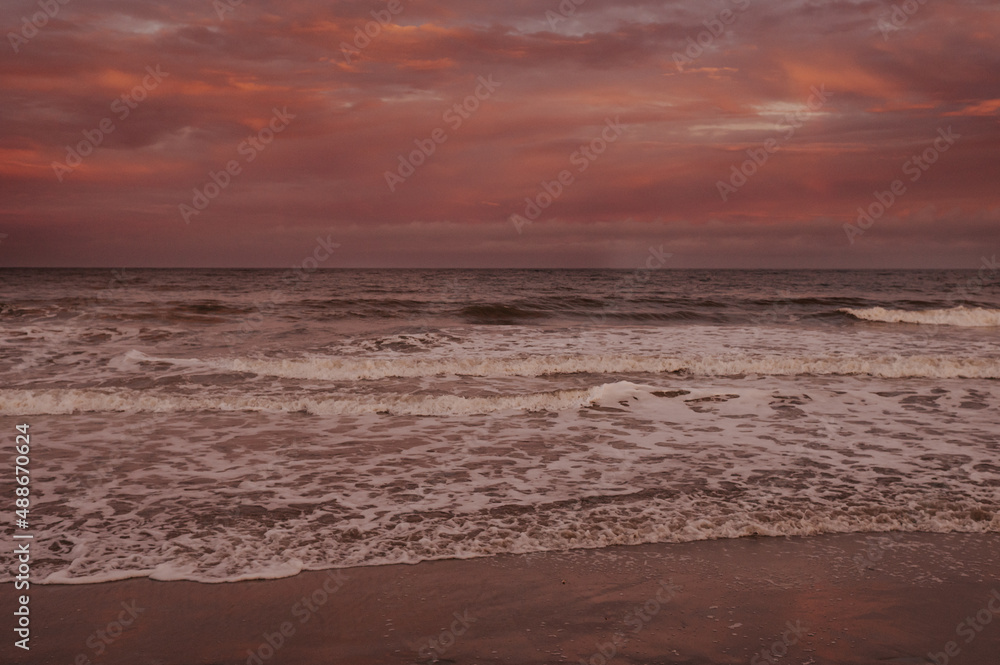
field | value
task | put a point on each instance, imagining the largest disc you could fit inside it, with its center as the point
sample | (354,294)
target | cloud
(358,110)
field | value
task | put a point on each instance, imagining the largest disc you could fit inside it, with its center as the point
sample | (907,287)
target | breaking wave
(353,369)
(966,317)
(75,400)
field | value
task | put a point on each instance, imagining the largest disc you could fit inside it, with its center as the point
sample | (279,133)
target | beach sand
(849,599)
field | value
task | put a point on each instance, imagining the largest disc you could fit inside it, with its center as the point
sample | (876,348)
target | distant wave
(498,313)
(327,368)
(75,400)
(338,368)
(976,317)
(618,395)
(82,400)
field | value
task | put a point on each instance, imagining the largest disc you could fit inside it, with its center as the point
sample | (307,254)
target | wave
(497,313)
(975,317)
(645,516)
(404,342)
(684,315)
(617,395)
(326,368)
(323,368)
(63,401)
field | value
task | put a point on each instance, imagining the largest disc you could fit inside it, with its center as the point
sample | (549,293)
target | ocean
(219,425)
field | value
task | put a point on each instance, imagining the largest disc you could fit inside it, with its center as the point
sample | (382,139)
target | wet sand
(846,599)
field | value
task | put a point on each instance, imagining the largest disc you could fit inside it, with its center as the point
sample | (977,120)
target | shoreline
(835,598)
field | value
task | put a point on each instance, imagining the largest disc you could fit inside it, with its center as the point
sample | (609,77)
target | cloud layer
(474,107)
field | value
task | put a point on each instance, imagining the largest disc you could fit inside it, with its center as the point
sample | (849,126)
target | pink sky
(346,115)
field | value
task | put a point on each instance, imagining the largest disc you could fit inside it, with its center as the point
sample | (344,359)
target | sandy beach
(847,599)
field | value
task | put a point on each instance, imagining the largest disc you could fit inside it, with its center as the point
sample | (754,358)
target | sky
(523,133)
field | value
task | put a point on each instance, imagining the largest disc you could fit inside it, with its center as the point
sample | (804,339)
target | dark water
(489,297)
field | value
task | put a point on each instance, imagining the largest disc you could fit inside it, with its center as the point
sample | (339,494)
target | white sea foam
(621,462)
(230,556)
(75,400)
(336,368)
(976,317)
(328,368)
(172,571)
(902,352)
